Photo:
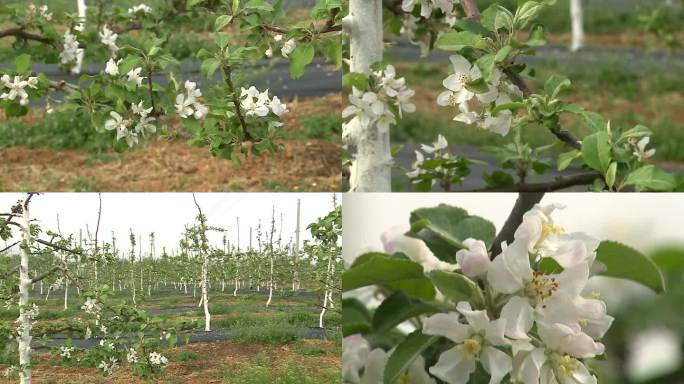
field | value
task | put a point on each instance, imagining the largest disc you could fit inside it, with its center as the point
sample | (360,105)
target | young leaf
(302,56)
(209,66)
(22,64)
(565,159)
(650,177)
(555,85)
(222,21)
(610,174)
(380,268)
(455,41)
(355,317)
(405,353)
(456,286)
(596,151)
(621,261)
(398,308)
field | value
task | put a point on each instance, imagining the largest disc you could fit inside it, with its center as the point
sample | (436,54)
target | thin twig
(20,33)
(236,100)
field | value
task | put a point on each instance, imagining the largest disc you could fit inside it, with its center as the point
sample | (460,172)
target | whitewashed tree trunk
(205,296)
(371,167)
(24,337)
(326,295)
(82,8)
(270,282)
(577,25)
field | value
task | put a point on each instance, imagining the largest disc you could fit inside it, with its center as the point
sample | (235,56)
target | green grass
(289,373)
(187,356)
(323,127)
(266,334)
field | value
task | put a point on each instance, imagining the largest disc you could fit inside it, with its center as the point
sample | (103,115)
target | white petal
(519,316)
(453,368)
(497,363)
(446,324)
(478,320)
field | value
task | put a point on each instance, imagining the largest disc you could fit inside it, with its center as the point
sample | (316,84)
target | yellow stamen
(596,295)
(583,323)
(566,365)
(470,348)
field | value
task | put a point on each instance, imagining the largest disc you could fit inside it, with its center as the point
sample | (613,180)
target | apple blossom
(474,260)
(134,76)
(288,48)
(108,38)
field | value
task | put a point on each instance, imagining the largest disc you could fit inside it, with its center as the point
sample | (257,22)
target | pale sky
(167,213)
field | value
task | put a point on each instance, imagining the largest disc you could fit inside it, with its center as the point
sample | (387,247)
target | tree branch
(568,138)
(8,247)
(560,182)
(46,274)
(471,9)
(236,100)
(20,33)
(523,204)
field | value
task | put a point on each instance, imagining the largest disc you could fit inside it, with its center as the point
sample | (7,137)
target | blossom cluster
(158,359)
(420,29)
(376,106)
(436,163)
(16,88)
(258,104)
(92,307)
(137,124)
(112,69)
(108,38)
(638,146)
(142,7)
(41,11)
(108,366)
(189,104)
(476,107)
(71,51)
(536,325)
(65,351)
(132,356)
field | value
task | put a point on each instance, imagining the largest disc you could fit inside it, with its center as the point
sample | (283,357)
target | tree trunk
(371,167)
(24,337)
(205,296)
(82,16)
(577,25)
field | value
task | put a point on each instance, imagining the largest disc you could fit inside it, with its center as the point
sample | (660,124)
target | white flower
(403,102)
(557,362)
(437,146)
(71,51)
(277,107)
(269,52)
(288,47)
(357,357)
(131,136)
(388,81)
(366,108)
(157,359)
(474,260)
(426,6)
(184,106)
(108,367)
(476,341)
(103,329)
(132,356)
(140,7)
(501,123)
(88,333)
(134,75)
(464,73)
(119,123)
(108,38)
(65,351)
(107,345)
(91,306)
(278,37)
(255,103)
(112,67)
(16,88)
(641,152)
(201,110)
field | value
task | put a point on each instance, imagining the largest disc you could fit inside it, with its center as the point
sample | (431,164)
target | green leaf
(596,151)
(619,260)
(548,265)
(22,64)
(636,132)
(259,4)
(502,54)
(507,107)
(594,120)
(443,228)
(405,353)
(221,39)
(670,259)
(455,41)
(355,317)
(477,86)
(398,308)
(128,64)
(14,109)
(380,268)
(302,56)
(222,21)
(565,159)
(651,177)
(487,63)
(610,174)
(356,80)
(498,179)
(209,66)
(555,85)
(456,287)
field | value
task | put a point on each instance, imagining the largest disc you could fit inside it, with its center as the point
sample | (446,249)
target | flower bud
(473,261)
